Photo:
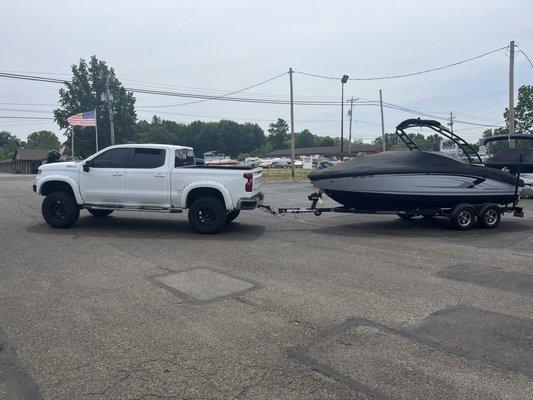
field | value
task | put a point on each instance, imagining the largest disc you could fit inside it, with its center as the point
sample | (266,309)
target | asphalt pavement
(138,306)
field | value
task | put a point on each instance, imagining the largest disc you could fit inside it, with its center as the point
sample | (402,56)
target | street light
(344,79)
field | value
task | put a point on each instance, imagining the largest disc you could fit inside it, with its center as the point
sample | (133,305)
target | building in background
(24,161)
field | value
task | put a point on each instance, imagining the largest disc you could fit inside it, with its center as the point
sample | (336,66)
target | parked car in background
(279,164)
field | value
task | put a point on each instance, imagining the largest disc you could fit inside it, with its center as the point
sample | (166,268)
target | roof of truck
(161,145)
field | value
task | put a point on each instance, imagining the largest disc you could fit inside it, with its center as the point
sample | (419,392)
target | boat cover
(408,162)
(510,158)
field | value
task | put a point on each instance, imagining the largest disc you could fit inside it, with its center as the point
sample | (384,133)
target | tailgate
(257,179)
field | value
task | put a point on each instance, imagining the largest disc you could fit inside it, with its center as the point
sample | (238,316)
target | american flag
(87,118)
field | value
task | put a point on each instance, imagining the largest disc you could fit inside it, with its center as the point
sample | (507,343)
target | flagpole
(72,150)
(96,128)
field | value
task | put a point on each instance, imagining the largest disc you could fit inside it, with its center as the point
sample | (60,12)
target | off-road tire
(207,215)
(60,210)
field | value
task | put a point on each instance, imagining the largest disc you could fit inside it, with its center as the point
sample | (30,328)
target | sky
(217,47)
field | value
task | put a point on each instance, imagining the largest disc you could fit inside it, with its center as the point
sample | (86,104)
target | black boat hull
(398,202)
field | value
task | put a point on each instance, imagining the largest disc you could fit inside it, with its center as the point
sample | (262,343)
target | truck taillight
(249,181)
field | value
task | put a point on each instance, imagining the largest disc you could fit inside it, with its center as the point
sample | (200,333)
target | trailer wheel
(463,217)
(489,216)
(207,215)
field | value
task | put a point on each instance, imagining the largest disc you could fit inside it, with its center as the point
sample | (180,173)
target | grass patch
(284,174)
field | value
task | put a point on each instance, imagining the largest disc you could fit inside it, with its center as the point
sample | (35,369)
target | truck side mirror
(86,166)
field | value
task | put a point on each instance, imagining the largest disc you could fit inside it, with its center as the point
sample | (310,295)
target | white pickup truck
(147,177)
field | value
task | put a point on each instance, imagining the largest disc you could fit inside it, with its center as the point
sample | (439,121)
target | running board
(171,210)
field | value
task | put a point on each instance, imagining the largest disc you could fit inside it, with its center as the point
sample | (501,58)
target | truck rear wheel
(99,213)
(60,210)
(207,215)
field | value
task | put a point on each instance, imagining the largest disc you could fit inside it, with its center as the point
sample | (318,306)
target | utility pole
(110,110)
(511,93)
(344,79)
(452,117)
(292,124)
(382,121)
(350,134)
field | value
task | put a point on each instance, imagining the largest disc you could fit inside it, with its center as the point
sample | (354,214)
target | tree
(304,139)
(83,93)
(324,141)
(523,111)
(225,136)
(278,134)
(43,140)
(9,143)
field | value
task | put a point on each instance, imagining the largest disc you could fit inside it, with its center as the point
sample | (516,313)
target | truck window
(184,157)
(147,158)
(114,158)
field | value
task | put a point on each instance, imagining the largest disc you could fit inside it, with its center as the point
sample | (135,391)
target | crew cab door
(147,178)
(103,183)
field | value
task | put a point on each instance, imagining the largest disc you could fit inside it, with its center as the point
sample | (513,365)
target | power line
(25,110)
(409,110)
(30,104)
(224,95)
(239,99)
(24,117)
(525,55)
(409,74)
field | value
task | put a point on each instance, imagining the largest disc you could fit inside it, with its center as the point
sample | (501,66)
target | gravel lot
(138,306)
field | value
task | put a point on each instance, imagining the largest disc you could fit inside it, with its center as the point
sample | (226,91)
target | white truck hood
(58,166)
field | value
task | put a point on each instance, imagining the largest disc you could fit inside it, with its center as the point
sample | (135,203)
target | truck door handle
(159,175)
(117,174)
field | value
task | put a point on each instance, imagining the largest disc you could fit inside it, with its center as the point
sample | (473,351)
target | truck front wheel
(60,210)
(207,215)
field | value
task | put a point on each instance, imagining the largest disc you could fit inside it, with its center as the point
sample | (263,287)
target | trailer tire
(99,213)
(489,216)
(232,215)
(207,215)
(463,217)
(60,210)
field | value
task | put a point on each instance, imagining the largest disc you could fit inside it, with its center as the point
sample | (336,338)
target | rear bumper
(249,203)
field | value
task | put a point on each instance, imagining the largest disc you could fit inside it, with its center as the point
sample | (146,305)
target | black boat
(414,179)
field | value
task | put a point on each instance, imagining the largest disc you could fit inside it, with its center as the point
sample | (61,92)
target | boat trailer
(462,216)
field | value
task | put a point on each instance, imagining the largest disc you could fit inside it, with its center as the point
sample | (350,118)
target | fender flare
(66,179)
(207,185)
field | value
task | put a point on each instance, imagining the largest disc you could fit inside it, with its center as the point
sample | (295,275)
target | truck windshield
(184,157)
